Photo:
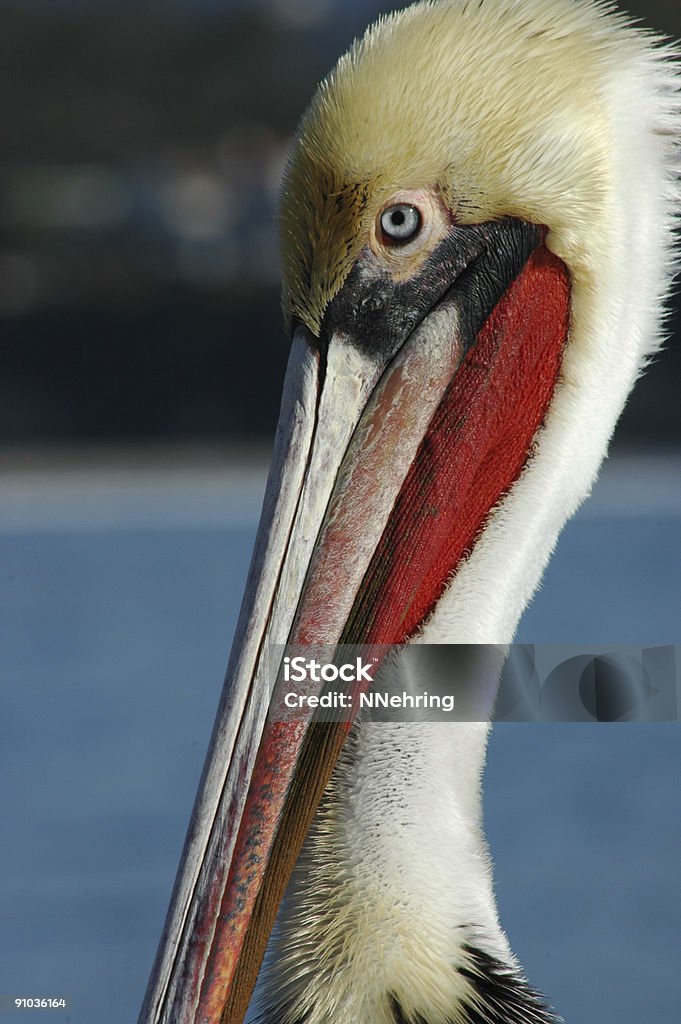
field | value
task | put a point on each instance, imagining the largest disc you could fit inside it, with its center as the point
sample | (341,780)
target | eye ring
(400,223)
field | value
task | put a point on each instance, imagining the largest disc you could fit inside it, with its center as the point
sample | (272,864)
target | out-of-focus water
(118,597)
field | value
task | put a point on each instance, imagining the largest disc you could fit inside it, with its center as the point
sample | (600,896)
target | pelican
(476,234)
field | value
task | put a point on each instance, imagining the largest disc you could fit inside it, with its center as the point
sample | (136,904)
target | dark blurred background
(142,149)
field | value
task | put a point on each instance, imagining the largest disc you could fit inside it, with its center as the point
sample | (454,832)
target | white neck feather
(393,881)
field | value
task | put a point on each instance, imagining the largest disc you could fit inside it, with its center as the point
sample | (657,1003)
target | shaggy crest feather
(504,105)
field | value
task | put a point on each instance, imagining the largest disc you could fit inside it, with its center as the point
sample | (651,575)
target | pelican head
(476,222)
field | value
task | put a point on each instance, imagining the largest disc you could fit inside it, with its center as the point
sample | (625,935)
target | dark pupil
(398,218)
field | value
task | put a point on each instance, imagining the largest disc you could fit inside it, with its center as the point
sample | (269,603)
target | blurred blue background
(142,149)
(118,597)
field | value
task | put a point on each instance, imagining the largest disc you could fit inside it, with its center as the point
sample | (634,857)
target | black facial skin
(472,267)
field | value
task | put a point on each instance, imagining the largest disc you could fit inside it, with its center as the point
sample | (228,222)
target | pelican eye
(400,223)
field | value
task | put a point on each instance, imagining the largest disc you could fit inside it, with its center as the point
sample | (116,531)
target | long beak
(353,451)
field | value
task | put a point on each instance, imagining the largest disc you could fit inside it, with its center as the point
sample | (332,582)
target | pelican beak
(377,489)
